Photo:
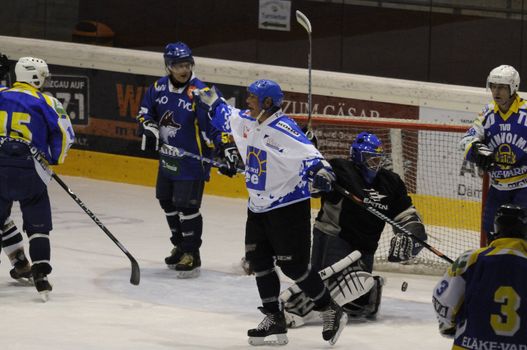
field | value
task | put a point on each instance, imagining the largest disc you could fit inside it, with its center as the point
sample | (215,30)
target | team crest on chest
(168,128)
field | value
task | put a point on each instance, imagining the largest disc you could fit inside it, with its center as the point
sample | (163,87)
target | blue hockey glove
(231,157)
(150,131)
(483,156)
(321,176)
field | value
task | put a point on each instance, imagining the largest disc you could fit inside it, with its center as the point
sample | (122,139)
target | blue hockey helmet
(176,53)
(367,153)
(267,88)
(510,221)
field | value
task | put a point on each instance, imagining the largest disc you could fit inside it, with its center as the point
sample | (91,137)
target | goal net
(445,189)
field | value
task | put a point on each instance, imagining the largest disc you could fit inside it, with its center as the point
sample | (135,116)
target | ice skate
(173,259)
(189,266)
(271,331)
(333,322)
(42,284)
(21,270)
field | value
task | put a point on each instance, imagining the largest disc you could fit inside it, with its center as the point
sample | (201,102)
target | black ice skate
(189,265)
(333,322)
(21,270)
(42,284)
(173,259)
(272,326)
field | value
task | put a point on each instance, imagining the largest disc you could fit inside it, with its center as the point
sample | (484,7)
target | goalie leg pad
(368,305)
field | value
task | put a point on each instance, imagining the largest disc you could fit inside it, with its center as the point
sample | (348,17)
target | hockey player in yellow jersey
(481,301)
(497,143)
(31,124)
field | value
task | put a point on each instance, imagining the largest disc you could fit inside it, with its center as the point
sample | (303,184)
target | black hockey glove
(231,157)
(321,177)
(401,247)
(310,134)
(483,156)
(447,331)
(4,66)
(150,131)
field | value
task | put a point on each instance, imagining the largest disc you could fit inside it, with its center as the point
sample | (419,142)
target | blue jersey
(484,295)
(32,117)
(180,125)
(506,135)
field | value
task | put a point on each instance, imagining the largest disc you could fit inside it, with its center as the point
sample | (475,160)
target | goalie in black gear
(343,226)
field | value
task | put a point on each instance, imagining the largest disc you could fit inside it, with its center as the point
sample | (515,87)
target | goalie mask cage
(446,190)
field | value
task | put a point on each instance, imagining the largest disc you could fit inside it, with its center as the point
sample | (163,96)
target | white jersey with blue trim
(506,135)
(276,154)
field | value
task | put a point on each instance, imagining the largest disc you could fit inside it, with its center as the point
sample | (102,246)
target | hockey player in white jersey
(496,143)
(282,169)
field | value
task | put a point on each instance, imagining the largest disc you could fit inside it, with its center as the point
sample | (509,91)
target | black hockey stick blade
(136,272)
(386,219)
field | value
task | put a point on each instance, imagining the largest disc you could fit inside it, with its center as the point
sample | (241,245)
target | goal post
(446,190)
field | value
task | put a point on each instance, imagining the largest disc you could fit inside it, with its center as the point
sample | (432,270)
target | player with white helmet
(496,143)
(282,169)
(36,124)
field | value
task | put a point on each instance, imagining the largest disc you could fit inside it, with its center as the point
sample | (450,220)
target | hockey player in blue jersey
(33,125)
(282,169)
(11,239)
(168,116)
(497,140)
(481,301)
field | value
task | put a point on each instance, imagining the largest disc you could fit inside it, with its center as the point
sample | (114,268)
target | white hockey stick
(176,152)
(304,22)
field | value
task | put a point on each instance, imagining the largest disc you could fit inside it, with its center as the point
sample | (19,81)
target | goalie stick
(386,219)
(136,272)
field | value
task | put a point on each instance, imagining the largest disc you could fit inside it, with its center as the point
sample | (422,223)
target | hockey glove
(4,66)
(321,176)
(483,156)
(231,157)
(401,247)
(447,331)
(208,99)
(150,132)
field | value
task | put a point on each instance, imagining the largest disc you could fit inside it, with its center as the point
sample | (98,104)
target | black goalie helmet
(510,221)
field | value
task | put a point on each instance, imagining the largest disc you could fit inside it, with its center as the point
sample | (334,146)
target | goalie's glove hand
(150,131)
(401,248)
(483,156)
(321,177)
(208,99)
(447,331)
(4,66)
(231,157)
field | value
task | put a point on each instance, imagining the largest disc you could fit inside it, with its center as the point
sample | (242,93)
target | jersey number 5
(17,128)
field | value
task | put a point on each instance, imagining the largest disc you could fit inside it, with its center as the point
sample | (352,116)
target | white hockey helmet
(506,75)
(32,70)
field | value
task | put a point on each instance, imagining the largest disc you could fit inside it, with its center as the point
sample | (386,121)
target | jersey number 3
(17,128)
(508,323)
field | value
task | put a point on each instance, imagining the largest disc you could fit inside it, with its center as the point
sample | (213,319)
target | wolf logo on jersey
(167,127)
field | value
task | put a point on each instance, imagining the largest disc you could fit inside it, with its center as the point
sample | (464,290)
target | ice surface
(93,305)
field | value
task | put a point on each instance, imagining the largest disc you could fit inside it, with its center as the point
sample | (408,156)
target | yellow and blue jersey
(506,135)
(32,117)
(484,295)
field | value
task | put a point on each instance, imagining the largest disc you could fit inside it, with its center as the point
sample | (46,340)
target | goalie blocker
(347,282)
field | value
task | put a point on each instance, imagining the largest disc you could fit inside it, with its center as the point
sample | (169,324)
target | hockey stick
(136,272)
(384,218)
(304,22)
(172,151)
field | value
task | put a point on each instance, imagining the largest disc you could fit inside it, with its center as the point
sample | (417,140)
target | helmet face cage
(32,70)
(177,53)
(510,221)
(267,88)
(368,154)
(505,75)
